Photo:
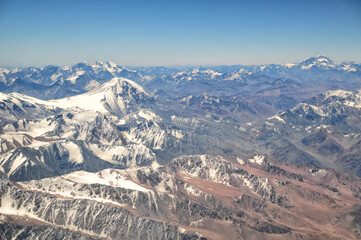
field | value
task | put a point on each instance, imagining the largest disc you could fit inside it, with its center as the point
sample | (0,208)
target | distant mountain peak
(109,64)
(317,61)
(121,83)
(81,66)
(82,63)
(318,58)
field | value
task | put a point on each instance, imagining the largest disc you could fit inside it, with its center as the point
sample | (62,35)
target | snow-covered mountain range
(84,76)
(287,84)
(324,130)
(225,152)
(116,125)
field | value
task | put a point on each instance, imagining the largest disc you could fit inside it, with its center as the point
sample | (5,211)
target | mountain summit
(317,61)
(117,96)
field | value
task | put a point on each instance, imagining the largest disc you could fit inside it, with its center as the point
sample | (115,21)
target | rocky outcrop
(192,197)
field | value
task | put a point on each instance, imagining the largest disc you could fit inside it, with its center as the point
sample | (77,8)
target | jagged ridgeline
(192,197)
(190,154)
(243,93)
(117,125)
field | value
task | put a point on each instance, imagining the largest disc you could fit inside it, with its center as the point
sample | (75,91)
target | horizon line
(170,65)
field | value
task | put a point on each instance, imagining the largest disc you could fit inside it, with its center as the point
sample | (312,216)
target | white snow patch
(289,65)
(277,118)
(240,161)
(20,159)
(348,68)
(130,153)
(259,159)
(177,133)
(74,77)
(9,128)
(121,122)
(148,115)
(307,67)
(75,154)
(109,177)
(38,128)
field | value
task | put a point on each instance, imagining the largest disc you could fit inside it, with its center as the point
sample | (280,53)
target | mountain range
(274,87)
(220,152)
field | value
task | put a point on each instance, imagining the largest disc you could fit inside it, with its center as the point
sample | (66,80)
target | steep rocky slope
(192,197)
(324,131)
(116,125)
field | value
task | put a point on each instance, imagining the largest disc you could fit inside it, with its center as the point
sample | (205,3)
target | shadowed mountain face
(114,161)
(239,108)
(324,131)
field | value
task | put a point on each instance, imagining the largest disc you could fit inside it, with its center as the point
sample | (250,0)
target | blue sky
(198,32)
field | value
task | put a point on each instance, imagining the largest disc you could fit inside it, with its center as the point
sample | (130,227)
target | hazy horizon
(169,66)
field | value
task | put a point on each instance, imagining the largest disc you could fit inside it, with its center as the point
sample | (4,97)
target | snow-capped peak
(348,98)
(105,64)
(318,61)
(116,96)
(321,58)
(112,64)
